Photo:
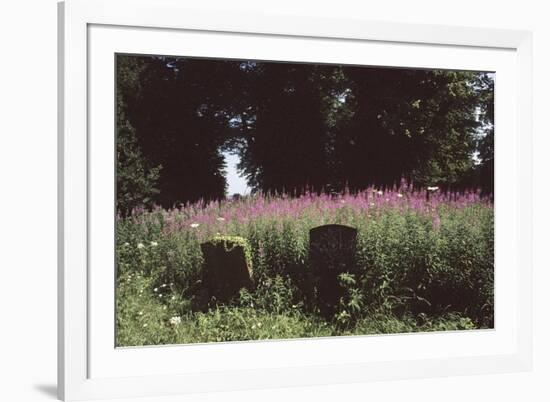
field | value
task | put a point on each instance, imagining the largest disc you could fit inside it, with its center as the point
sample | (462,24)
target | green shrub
(426,268)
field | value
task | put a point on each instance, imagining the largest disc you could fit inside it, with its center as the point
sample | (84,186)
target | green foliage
(144,318)
(410,266)
(413,275)
(241,324)
(384,323)
(337,126)
(296,127)
(169,262)
(140,317)
(352,304)
(136,177)
(180,108)
(230,242)
(135,181)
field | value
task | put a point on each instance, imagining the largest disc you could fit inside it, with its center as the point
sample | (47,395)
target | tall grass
(425,262)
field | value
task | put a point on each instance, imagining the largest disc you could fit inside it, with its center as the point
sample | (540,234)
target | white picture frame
(90,367)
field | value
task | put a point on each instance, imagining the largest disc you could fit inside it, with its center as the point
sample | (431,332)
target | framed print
(252,201)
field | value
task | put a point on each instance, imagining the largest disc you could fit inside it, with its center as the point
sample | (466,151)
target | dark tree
(486,141)
(285,144)
(296,127)
(180,120)
(416,124)
(136,177)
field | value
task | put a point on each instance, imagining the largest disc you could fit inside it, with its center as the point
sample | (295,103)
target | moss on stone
(227,266)
(230,242)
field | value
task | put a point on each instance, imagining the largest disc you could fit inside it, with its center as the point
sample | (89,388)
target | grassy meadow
(424,263)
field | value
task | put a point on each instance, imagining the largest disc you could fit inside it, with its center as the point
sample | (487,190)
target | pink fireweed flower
(318,209)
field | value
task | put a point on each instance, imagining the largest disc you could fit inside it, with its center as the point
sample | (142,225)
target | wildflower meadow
(424,264)
(264,200)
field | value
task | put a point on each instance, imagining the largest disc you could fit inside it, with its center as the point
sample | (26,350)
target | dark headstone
(227,266)
(331,252)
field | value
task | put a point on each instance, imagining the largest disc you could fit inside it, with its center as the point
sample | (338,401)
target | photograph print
(262,200)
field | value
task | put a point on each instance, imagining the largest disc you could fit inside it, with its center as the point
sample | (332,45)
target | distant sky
(235,183)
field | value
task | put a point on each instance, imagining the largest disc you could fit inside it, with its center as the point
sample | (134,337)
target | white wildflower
(140,245)
(194,225)
(176,320)
(145,325)
(400,195)
(434,188)
(140,313)
(126,244)
(259,325)
(379,192)
(155,289)
(154,243)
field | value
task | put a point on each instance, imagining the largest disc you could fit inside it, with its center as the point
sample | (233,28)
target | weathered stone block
(227,266)
(332,251)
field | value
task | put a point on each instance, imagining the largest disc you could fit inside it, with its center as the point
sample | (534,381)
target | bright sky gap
(236,184)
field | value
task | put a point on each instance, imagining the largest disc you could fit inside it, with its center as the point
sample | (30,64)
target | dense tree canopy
(296,127)
(136,177)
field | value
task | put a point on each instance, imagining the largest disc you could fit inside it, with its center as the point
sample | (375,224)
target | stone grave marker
(331,252)
(227,266)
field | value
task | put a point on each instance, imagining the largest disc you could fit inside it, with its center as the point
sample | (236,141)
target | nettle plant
(352,304)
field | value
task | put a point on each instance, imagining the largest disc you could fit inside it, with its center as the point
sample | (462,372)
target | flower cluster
(214,217)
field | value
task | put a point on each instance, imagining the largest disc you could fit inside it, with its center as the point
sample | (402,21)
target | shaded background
(294,127)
